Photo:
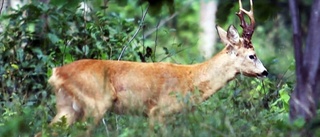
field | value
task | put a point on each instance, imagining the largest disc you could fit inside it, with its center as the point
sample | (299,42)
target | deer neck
(213,74)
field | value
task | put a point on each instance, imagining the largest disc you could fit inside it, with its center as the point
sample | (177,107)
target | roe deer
(89,88)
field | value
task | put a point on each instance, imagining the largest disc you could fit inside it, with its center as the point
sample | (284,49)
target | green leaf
(68,58)
(284,95)
(292,66)
(15,66)
(299,122)
(53,38)
(85,50)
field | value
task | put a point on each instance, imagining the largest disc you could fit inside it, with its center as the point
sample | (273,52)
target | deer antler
(248,29)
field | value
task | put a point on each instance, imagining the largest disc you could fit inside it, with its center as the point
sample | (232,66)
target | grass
(235,110)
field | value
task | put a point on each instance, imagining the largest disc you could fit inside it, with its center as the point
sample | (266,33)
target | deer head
(240,49)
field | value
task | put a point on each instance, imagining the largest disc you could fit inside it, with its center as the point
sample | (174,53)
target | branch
(295,97)
(311,57)
(155,43)
(304,99)
(164,21)
(135,34)
(296,36)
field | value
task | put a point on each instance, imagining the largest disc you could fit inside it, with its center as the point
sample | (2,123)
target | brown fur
(89,88)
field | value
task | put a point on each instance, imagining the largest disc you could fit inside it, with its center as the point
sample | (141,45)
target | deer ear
(233,35)
(223,35)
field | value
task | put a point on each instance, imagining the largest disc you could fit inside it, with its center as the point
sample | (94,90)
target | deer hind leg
(68,107)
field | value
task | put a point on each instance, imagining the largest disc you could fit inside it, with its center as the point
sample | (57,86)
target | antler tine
(251,5)
(247,29)
(249,13)
(240,4)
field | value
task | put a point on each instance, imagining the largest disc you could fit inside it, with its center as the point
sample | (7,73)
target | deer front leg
(97,113)
(159,113)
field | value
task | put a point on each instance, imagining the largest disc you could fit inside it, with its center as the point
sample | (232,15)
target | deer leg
(68,112)
(97,111)
(154,117)
(67,107)
(158,114)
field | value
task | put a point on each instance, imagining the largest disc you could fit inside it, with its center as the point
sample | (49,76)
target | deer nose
(265,73)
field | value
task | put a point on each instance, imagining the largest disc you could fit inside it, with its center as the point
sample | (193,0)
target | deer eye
(251,56)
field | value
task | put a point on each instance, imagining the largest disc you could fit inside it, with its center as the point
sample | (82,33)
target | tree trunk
(305,97)
(207,38)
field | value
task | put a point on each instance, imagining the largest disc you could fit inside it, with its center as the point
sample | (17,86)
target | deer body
(89,88)
(95,86)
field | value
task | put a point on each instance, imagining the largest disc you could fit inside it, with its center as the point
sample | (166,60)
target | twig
(105,5)
(164,21)
(155,42)
(105,124)
(160,24)
(84,11)
(1,6)
(135,34)
(143,38)
(170,55)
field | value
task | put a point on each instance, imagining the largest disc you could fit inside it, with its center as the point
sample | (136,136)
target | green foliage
(263,10)
(38,37)
(156,6)
(54,35)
